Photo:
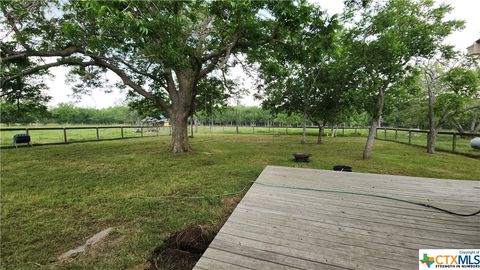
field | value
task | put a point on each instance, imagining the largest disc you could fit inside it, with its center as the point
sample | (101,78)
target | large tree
(159,49)
(385,39)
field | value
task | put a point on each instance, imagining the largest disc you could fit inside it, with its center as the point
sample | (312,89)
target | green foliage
(386,38)
(22,102)
(462,81)
(301,75)
(69,114)
(23,99)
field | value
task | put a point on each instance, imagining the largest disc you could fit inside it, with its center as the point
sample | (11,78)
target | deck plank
(284,228)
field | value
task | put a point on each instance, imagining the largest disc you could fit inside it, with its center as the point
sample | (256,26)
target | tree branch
(214,57)
(98,61)
(30,53)
(60,62)
(127,81)
(11,22)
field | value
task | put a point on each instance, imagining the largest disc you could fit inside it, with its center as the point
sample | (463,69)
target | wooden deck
(282,228)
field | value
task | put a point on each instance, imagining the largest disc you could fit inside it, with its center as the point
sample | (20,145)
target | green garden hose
(370,195)
(308,189)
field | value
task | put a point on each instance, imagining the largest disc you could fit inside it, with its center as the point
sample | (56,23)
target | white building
(474,49)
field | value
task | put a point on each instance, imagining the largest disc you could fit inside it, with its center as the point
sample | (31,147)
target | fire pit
(301,157)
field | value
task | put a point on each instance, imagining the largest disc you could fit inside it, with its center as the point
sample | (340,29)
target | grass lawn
(75,135)
(443,141)
(55,197)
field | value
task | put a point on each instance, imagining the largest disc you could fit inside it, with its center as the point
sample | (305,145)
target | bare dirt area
(182,249)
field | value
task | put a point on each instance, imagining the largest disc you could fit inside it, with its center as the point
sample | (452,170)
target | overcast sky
(467,10)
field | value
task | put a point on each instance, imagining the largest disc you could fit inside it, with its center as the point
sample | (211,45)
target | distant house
(474,49)
(152,121)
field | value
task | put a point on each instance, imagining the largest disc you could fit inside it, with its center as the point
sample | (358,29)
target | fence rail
(446,140)
(49,136)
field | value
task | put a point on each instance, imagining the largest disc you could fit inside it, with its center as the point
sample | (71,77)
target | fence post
(355,131)
(141,131)
(376,133)
(158,131)
(121,131)
(343,130)
(64,135)
(26,130)
(98,137)
(385,133)
(454,142)
(396,134)
(409,136)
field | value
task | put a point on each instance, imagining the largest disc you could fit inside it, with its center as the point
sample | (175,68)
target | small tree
(384,40)
(295,69)
(451,89)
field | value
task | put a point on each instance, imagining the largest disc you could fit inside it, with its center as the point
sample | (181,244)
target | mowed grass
(78,135)
(443,141)
(55,197)
(89,133)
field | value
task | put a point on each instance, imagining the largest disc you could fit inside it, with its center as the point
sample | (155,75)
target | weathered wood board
(289,228)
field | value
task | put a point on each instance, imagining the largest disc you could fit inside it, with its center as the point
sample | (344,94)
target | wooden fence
(123,132)
(448,141)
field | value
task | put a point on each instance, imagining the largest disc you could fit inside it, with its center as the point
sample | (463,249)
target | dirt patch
(96,238)
(231,202)
(182,249)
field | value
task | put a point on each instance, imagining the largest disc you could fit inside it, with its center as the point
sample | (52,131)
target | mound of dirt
(182,249)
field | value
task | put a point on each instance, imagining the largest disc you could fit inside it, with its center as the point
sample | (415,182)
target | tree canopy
(174,57)
(159,49)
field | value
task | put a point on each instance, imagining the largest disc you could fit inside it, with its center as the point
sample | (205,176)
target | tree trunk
(320,133)
(371,137)
(367,152)
(476,129)
(458,126)
(180,133)
(472,125)
(431,140)
(191,126)
(181,109)
(304,133)
(431,137)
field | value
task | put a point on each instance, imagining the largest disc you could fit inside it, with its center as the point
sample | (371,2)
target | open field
(75,135)
(55,197)
(444,142)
